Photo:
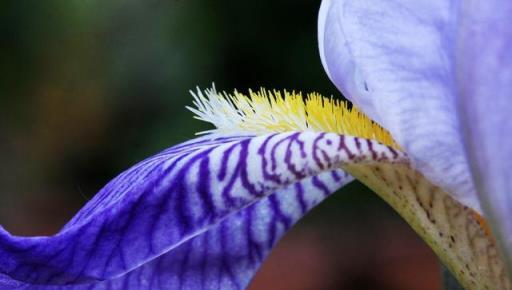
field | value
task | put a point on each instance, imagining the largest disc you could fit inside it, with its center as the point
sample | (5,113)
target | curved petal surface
(485,86)
(172,197)
(394,60)
(228,255)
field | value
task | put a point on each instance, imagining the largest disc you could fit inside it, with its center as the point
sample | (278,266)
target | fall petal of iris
(229,254)
(171,201)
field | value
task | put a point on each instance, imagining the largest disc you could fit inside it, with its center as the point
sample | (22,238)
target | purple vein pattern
(200,215)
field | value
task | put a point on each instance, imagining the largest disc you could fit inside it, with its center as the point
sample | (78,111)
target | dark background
(88,88)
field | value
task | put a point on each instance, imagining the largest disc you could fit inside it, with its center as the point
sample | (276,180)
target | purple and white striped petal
(395,60)
(485,101)
(228,255)
(169,201)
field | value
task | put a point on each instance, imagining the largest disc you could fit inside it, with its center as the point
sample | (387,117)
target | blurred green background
(88,88)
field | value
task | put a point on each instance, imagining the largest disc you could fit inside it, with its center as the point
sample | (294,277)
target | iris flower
(434,77)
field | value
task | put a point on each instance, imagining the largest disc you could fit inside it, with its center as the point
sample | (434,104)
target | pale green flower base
(456,234)
(449,282)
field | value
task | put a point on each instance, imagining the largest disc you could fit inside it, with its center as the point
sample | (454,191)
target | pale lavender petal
(395,60)
(172,197)
(485,86)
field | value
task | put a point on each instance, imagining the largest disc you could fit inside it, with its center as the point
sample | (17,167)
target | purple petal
(395,60)
(485,86)
(172,197)
(228,255)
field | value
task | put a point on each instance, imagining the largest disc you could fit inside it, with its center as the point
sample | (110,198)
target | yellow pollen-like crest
(274,111)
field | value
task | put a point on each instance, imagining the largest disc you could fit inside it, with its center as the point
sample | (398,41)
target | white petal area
(394,60)
(485,84)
